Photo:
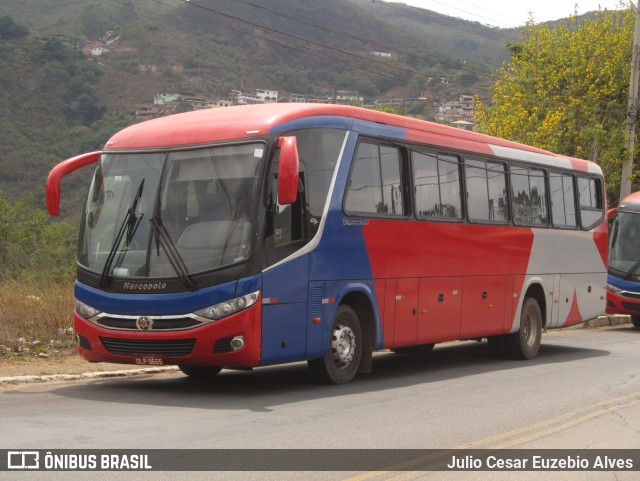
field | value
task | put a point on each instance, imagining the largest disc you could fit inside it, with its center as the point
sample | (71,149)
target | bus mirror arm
(59,171)
(288,167)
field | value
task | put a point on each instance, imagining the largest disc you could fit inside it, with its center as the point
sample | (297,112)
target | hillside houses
(458,113)
(95,48)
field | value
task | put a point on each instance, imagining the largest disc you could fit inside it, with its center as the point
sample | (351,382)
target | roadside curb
(85,375)
(605,321)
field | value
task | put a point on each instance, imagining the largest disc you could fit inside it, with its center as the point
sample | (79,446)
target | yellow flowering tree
(565,90)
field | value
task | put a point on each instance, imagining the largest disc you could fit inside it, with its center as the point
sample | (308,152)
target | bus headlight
(224,309)
(613,289)
(85,310)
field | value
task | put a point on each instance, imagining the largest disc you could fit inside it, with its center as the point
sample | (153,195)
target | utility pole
(632,111)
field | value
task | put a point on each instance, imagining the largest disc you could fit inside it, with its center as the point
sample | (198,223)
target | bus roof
(631,203)
(247,121)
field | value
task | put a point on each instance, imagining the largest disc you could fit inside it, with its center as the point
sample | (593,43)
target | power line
(479,7)
(269,40)
(318,44)
(356,37)
(297,37)
(471,13)
(440,18)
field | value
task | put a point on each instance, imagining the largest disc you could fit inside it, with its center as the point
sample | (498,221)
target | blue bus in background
(623,280)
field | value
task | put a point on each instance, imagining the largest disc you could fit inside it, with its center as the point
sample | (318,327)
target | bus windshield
(168,214)
(624,244)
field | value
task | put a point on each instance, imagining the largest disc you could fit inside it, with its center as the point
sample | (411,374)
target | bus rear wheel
(202,373)
(341,363)
(635,320)
(525,343)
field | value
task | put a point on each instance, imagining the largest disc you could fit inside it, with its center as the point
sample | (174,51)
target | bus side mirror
(611,213)
(288,167)
(59,171)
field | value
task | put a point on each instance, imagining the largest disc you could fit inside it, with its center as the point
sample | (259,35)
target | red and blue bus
(623,281)
(256,235)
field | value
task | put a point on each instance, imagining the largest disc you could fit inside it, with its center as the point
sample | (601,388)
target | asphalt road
(582,392)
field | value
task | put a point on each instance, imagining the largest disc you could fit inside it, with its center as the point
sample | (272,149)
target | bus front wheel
(341,363)
(635,320)
(202,373)
(525,342)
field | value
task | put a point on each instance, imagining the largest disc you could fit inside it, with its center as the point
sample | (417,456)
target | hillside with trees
(57,101)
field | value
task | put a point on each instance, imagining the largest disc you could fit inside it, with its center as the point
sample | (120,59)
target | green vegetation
(32,246)
(37,267)
(50,110)
(566,90)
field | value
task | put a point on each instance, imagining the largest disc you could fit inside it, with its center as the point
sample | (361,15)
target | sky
(511,13)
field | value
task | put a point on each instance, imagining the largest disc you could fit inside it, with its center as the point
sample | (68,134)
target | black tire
(422,349)
(202,373)
(341,363)
(525,343)
(635,320)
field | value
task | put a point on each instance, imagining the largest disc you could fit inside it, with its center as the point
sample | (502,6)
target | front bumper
(619,304)
(206,345)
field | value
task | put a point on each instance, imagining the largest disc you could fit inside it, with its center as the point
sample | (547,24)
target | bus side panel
(284,333)
(489,259)
(581,298)
(284,311)
(581,294)
(513,322)
(389,312)
(483,301)
(511,299)
(385,290)
(315,316)
(406,312)
(441,249)
(439,312)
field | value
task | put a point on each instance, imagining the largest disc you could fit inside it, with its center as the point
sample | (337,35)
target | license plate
(149,360)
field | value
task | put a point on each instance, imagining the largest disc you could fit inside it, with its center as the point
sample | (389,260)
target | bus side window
(528,196)
(437,185)
(590,197)
(285,224)
(563,210)
(486,191)
(375,182)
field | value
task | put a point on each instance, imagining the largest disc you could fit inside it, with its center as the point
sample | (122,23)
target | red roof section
(212,125)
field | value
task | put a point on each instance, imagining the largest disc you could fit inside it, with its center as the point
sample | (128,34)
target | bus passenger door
(439,312)
(406,312)
(284,312)
(285,285)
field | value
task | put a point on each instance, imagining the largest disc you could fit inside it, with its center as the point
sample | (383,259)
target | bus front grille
(172,348)
(159,324)
(631,306)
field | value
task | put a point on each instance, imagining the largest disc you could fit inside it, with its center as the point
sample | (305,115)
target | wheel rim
(529,331)
(343,346)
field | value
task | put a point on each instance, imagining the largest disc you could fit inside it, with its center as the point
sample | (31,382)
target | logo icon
(23,460)
(144,323)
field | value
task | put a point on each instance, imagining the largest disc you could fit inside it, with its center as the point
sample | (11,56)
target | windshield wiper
(632,271)
(163,238)
(129,225)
